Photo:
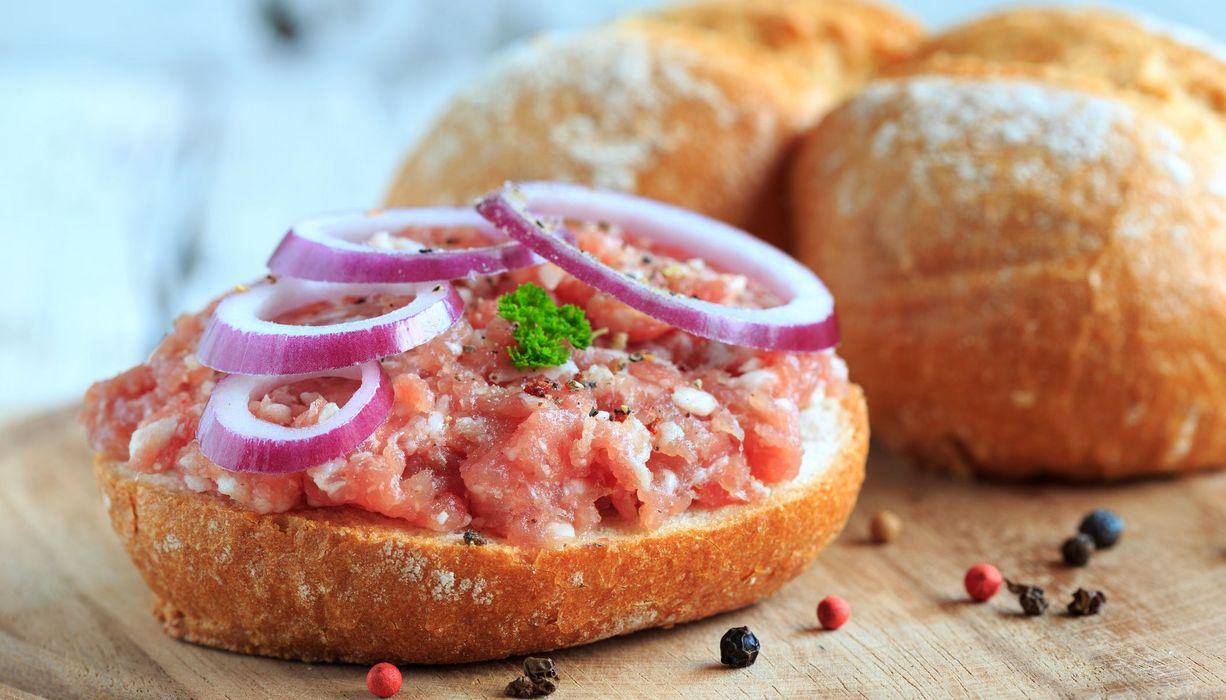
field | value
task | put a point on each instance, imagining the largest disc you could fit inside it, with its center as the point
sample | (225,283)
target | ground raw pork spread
(646,423)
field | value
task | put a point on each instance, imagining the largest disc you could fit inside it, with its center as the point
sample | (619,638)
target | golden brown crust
(346,585)
(1115,49)
(1027,265)
(667,112)
(667,108)
(838,44)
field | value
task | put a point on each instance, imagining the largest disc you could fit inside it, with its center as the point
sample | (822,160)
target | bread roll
(341,584)
(1027,257)
(697,106)
(1125,52)
(838,44)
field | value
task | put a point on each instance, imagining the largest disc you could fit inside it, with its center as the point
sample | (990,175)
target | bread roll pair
(1025,229)
(698,105)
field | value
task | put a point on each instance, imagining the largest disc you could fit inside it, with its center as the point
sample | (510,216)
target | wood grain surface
(75,619)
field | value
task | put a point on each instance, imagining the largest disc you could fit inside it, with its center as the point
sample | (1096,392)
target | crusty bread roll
(837,44)
(1178,74)
(1028,258)
(697,106)
(1125,52)
(339,584)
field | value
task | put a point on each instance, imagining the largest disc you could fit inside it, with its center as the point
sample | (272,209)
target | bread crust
(676,107)
(339,584)
(838,44)
(1027,263)
(668,112)
(1125,52)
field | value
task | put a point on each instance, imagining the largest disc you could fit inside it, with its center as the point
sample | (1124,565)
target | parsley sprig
(542,328)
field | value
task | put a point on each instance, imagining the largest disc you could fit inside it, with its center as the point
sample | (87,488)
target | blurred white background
(152,153)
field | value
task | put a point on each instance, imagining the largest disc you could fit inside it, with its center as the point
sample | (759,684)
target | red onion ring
(806,322)
(236,440)
(239,341)
(331,249)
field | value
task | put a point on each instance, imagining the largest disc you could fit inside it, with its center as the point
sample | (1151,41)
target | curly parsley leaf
(542,328)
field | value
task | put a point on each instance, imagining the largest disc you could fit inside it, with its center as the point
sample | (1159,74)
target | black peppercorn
(1077,550)
(540,678)
(536,668)
(1033,601)
(1032,598)
(739,648)
(1087,602)
(521,688)
(1103,526)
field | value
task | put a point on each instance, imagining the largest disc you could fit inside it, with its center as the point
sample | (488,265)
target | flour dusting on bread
(933,113)
(951,131)
(634,79)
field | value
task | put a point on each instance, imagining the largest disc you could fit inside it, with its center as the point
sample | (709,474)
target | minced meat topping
(647,422)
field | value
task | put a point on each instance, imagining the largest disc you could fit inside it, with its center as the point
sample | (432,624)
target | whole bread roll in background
(1027,243)
(698,106)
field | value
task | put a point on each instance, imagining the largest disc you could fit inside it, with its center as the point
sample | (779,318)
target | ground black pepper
(739,648)
(473,537)
(1087,602)
(1077,550)
(1032,598)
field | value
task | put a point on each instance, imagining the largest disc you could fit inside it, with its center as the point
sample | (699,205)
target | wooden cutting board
(75,618)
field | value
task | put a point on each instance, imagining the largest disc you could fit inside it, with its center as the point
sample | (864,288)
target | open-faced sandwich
(444,435)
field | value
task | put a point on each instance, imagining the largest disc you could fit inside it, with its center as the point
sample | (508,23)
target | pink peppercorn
(383,680)
(982,581)
(833,612)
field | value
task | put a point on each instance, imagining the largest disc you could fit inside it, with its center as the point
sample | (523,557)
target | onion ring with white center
(234,439)
(239,340)
(804,323)
(333,249)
